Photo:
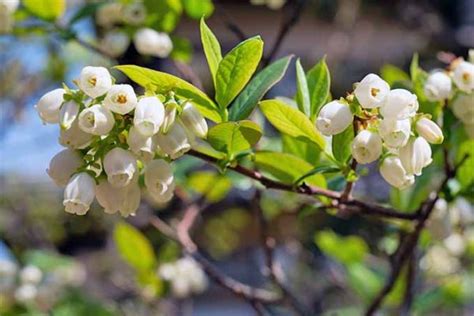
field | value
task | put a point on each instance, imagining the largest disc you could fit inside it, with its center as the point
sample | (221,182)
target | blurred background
(77,256)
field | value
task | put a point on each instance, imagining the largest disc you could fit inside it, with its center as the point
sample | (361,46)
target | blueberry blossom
(463,76)
(124,200)
(79,194)
(63,165)
(429,130)
(175,142)
(366,147)
(120,166)
(143,147)
(49,106)
(395,133)
(149,115)
(158,176)
(193,120)
(74,137)
(399,104)
(334,118)
(68,113)
(94,81)
(115,43)
(371,91)
(438,86)
(415,155)
(463,108)
(121,99)
(96,120)
(150,42)
(395,174)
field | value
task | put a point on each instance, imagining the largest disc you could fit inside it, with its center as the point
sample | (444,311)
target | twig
(410,284)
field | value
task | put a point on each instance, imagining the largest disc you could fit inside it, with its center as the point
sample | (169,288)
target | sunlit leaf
(319,83)
(45,9)
(134,247)
(234,137)
(212,49)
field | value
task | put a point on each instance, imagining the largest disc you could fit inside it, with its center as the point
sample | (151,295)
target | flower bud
(415,155)
(393,172)
(193,120)
(429,130)
(158,176)
(115,43)
(371,91)
(31,274)
(120,167)
(121,99)
(94,81)
(68,114)
(49,105)
(366,147)
(170,116)
(134,13)
(439,224)
(124,200)
(149,115)
(463,108)
(96,120)
(438,86)
(74,137)
(108,14)
(395,133)
(455,244)
(463,76)
(79,193)
(174,143)
(399,104)
(334,118)
(142,146)
(63,165)
(150,42)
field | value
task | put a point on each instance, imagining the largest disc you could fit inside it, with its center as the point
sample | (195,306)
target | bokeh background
(358,37)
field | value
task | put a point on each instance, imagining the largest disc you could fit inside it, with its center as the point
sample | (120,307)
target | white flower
(96,120)
(134,13)
(26,293)
(31,274)
(8,270)
(174,143)
(150,42)
(115,43)
(120,167)
(124,200)
(67,114)
(415,155)
(79,193)
(275,4)
(463,76)
(159,199)
(121,99)
(142,146)
(74,137)
(438,261)
(371,91)
(185,275)
(462,212)
(395,133)
(49,105)
(108,14)
(170,116)
(463,108)
(334,118)
(94,81)
(10,6)
(193,120)
(395,174)
(438,86)
(366,147)
(63,165)
(439,223)
(455,244)
(149,115)
(399,104)
(429,130)
(158,176)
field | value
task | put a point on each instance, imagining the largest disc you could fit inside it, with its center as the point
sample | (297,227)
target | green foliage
(418,78)
(244,104)
(76,304)
(236,68)
(319,83)
(134,247)
(182,49)
(341,144)
(291,122)
(302,91)
(47,260)
(49,10)
(212,185)
(354,248)
(197,9)
(301,148)
(393,75)
(465,174)
(212,49)
(163,15)
(365,282)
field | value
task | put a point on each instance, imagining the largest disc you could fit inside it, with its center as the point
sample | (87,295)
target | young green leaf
(319,83)
(392,74)
(162,82)
(134,247)
(212,185)
(164,15)
(212,49)
(318,170)
(197,9)
(341,144)
(244,104)
(302,92)
(236,68)
(291,121)
(49,10)
(303,149)
(234,137)
(182,49)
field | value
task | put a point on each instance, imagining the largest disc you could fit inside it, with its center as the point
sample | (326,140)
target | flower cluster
(185,277)
(115,41)
(463,104)
(116,141)
(7,9)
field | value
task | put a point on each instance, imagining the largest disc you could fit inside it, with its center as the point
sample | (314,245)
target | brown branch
(410,284)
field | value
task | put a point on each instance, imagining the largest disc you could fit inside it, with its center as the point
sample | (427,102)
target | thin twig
(410,284)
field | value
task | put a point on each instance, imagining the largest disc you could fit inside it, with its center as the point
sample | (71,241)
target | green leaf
(341,144)
(234,137)
(49,10)
(319,83)
(244,104)
(291,121)
(182,49)
(212,49)
(163,15)
(236,68)
(365,282)
(355,248)
(318,170)
(134,247)
(287,168)
(301,148)
(162,82)
(465,173)
(212,185)
(302,92)
(47,260)
(85,11)
(392,74)
(197,9)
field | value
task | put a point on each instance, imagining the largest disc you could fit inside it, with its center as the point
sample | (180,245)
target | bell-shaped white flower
(109,14)
(31,274)
(115,43)
(150,42)
(395,133)
(366,147)
(439,224)
(94,81)
(371,91)
(49,105)
(463,76)
(439,261)
(68,114)
(334,118)
(158,176)
(96,120)
(142,146)
(124,200)
(26,293)
(399,104)
(74,137)
(121,99)
(429,130)
(174,143)
(455,244)
(120,166)
(160,199)
(134,13)
(415,155)
(149,115)
(438,86)
(79,193)
(395,174)
(193,120)
(63,165)
(171,109)
(463,108)
(185,276)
